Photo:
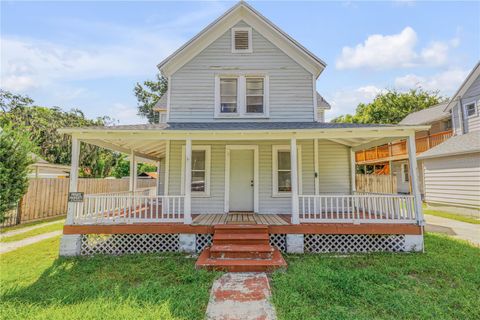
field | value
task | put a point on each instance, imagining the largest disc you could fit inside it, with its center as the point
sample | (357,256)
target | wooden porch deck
(240,218)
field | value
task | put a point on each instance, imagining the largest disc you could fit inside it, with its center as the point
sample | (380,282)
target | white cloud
(446,82)
(394,51)
(346,100)
(125,114)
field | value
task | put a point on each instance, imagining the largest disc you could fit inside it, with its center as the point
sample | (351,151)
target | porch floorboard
(239,218)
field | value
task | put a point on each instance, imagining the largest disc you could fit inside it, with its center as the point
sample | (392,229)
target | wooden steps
(241,248)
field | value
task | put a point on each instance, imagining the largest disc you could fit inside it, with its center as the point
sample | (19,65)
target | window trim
(242,95)
(475,109)
(249,30)
(275,150)
(208,157)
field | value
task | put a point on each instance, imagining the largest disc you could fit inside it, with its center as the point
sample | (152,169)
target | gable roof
(456,145)
(242,11)
(322,103)
(161,104)
(427,116)
(473,75)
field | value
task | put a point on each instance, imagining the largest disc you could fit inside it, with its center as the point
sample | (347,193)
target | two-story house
(248,168)
(451,170)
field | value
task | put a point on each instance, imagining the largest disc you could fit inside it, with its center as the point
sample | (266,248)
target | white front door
(241,180)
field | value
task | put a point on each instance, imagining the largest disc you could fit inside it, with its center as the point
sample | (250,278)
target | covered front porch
(299,187)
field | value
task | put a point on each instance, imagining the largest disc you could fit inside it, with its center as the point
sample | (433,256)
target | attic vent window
(241,40)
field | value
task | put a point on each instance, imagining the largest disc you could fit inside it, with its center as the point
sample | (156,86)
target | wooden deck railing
(358,208)
(397,149)
(129,208)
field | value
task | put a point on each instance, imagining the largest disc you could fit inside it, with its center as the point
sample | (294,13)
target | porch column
(294,180)
(188,182)
(133,172)
(158,177)
(353,171)
(73,178)
(412,158)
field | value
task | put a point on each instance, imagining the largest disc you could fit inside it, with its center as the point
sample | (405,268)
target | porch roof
(149,140)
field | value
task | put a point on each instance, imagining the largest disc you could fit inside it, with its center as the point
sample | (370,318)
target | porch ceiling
(153,150)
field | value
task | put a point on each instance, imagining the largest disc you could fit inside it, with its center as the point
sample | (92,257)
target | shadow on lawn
(140,280)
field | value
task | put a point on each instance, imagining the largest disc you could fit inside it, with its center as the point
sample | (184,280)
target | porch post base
(187,242)
(70,245)
(294,243)
(413,243)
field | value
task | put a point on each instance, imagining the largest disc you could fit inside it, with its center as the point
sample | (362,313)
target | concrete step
(235,251)
(240,265)
(241,238)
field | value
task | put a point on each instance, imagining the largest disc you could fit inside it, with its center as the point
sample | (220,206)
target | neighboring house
(392,158)
(44,169)
(244,142)
(452,169)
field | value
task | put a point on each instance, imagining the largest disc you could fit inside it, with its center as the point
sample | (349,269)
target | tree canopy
(15,158)
(391,106)
(148,94)
(42,124)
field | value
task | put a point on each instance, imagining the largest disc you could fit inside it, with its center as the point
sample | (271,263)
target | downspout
(462,116)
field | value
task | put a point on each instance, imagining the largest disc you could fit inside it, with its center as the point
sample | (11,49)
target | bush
(15,159)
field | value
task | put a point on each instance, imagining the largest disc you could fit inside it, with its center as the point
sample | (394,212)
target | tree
(43,123)
(16,152)
(392,106)
(148,94)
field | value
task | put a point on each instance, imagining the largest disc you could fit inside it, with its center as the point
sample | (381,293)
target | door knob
(251,183)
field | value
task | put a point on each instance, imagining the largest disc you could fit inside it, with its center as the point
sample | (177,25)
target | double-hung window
(282,170)
(241,95)
(228,95)
(200,170)
(471,109)
(255,95)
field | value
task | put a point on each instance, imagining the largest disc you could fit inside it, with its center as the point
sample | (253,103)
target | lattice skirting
(324,243)
(117,244)
(279,241)
(202,241)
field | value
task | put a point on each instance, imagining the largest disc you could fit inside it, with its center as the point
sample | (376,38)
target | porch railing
(358,208)
(129,208)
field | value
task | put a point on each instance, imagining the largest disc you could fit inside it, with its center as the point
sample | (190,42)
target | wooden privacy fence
(47,198)
(376,183)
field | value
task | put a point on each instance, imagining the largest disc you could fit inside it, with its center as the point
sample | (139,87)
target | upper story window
(242,40)
(471,109)
(228,95)
(255,92)
(241,95)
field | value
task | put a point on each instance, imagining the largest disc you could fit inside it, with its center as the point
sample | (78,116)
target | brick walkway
(243,296)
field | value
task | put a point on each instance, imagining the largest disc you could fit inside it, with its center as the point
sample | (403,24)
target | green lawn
(451,216)
(52,227)
(30,224)
(443,283)
(36,284)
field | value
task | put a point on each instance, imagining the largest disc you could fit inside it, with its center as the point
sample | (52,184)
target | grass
(451,216)
(443,283)
(34,232)
(30,224)
(37,284)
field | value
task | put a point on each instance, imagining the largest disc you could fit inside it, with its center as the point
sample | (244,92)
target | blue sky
(89,55)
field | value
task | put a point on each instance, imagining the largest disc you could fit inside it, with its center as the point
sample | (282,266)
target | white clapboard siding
(333,168)
(192,86)
(453,180)
(473,95)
